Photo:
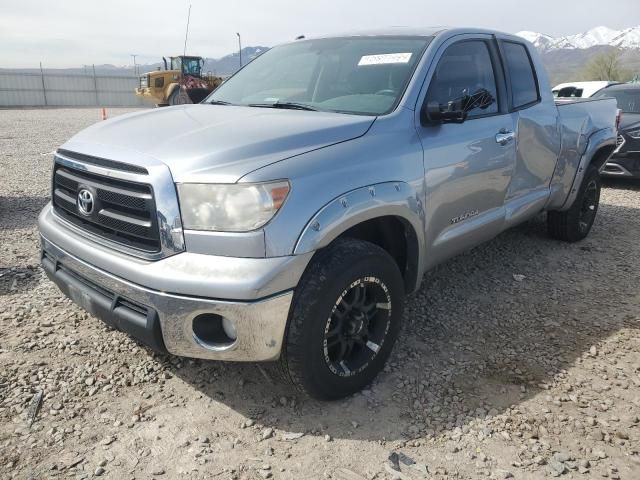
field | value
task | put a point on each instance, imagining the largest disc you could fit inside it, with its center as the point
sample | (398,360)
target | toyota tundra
(286,216)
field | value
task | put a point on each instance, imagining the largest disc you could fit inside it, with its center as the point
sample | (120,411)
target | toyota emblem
(85,202)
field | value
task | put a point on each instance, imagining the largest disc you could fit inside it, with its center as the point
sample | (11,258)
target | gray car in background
(625,161)
(287,216)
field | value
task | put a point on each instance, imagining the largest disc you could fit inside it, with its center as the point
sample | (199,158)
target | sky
(72,33)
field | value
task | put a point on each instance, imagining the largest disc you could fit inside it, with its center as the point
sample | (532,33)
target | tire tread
(294,349)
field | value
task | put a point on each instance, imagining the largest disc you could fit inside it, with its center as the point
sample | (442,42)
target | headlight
(634,133)
(232,207)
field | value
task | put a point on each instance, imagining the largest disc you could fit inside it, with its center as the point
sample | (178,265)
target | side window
(524,87)
(464,68)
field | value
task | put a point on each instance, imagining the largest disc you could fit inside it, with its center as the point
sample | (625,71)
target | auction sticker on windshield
(385,58)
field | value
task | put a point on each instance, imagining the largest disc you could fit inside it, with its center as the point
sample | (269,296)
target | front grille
(102,162)
(619,142)
(121,211)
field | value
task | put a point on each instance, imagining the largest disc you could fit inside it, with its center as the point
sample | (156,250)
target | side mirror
(435,114)
(431,114)
(456,110)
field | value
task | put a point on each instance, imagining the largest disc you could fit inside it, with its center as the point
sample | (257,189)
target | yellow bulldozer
(181,81)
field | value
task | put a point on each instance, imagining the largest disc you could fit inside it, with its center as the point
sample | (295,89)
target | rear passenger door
(468,165)
(536,124)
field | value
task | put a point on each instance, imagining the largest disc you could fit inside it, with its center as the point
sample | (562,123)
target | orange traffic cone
(104,113)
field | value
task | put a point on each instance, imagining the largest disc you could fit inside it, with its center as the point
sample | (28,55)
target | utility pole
(135,68)
(95,83)
(240,48)
(44,89)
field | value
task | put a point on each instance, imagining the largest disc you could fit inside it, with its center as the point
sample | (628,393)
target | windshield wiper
(219,102)
(284,105)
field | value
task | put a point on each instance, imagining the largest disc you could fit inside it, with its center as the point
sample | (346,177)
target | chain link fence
(47,89)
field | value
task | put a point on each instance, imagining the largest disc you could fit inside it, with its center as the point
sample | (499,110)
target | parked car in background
(625,161)
(286,217)
(579,89)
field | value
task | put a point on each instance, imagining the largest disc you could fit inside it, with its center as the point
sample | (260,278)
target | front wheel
(344,321)
(178,97)
(575,224)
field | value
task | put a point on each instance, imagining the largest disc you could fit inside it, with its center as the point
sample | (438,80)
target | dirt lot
(495,375)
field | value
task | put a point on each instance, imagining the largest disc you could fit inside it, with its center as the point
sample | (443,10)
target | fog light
(213,331)
(229,328)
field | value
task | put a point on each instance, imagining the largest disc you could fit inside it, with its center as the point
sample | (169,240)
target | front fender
(396,199)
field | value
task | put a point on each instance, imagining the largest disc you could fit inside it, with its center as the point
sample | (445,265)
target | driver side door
(469,165)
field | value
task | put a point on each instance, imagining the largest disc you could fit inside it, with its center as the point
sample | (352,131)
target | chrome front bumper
(260,321)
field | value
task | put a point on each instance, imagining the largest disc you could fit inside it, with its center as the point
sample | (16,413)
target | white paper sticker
(385,58)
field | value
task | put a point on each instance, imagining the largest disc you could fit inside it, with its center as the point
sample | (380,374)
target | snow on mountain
(540,40)
(598,36)
(593,37)
(629,38)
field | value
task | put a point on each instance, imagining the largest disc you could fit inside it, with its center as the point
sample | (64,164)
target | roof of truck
(393,31)
(404,31)
(623,86)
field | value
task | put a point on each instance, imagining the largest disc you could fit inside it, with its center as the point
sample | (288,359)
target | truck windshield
(362,75)
(628,99)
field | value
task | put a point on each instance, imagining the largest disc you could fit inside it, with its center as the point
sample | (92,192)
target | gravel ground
(518,359)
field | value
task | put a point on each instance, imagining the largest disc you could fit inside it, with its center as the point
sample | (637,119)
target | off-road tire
(174,98)
(304,360)
(570,225)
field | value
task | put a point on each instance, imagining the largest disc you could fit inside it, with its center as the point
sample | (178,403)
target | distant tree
(607,66)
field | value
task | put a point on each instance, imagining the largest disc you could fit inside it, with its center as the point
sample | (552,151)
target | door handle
(505,136)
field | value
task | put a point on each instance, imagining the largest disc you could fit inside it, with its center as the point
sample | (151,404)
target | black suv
(625,161)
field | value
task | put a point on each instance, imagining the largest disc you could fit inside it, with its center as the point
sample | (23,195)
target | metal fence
(21,89)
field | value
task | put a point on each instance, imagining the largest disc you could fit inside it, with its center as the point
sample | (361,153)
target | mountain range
(565,58)
(223,66)
(629,38)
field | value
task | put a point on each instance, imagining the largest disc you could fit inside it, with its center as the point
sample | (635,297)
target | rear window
(524,88)
(569,92)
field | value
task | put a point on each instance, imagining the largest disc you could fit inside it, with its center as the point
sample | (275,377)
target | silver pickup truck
(286,217)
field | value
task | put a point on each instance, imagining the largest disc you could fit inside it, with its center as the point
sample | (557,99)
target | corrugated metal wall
(19,89)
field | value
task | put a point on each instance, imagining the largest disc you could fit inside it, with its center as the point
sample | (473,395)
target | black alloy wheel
(589,206)
(356,329)
(574,224)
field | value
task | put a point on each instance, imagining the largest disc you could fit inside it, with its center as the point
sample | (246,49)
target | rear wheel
(344,321)
(575,224)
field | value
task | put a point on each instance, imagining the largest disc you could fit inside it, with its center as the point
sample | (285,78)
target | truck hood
(215,143)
